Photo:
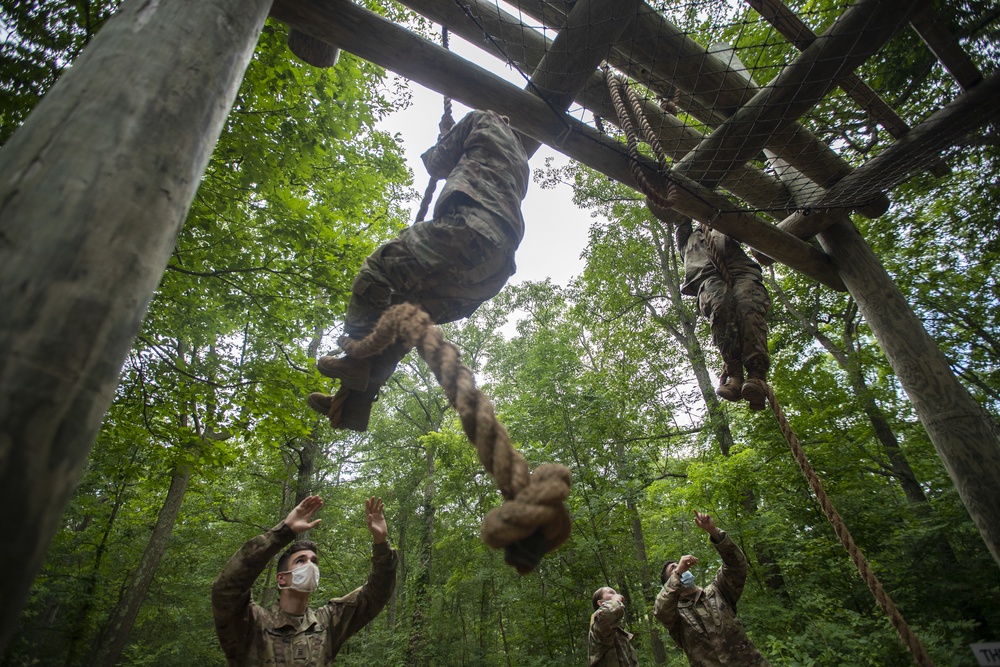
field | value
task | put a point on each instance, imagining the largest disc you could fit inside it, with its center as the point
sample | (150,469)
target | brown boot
(731,389)
(351,371)
(328,406)
(755,393)
(357,410)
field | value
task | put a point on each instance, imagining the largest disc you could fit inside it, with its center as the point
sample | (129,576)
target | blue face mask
(687,579)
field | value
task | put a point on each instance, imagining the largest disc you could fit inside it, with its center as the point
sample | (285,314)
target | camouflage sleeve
(733,573)
(353,611)
(665,607)
(682,235)
(231,603)
(605,620)
(443,156)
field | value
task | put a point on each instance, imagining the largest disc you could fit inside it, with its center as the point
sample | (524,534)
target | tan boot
(754,391)
(351,371)
(731,389)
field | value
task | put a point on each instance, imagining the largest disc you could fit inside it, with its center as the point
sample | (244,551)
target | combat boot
(328,406)
(352,372)
(357,410)
(755,389)
(731,383)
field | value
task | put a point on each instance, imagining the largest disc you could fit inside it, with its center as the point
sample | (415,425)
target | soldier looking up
(703,621)
(448,265)
(608,645)
(290,632)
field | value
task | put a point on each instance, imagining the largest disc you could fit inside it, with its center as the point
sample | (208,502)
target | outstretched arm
(605,620)
(733,574)
(231,603)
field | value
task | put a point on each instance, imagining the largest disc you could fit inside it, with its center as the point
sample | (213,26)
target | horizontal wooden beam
(662,57)
(786,22)
(382,42)
(859,32)
(925,142)
(525,47)
(945,47)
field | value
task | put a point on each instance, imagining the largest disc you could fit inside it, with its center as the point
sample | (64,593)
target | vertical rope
(909,639)
(444,126)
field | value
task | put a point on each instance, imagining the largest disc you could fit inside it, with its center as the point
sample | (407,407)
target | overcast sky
(555,229)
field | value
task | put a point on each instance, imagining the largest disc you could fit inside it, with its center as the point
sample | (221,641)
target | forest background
(209,441)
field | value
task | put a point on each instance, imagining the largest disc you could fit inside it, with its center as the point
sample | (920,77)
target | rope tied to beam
(906,635)
(444,126)
(533,519)
(618,91)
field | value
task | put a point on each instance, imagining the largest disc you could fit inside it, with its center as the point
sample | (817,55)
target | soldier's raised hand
(705,522)
(375,518)
(686,562)
(299,519)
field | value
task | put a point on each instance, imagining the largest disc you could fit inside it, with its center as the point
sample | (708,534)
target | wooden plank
(945,47)
(801,36)
(798,87)
(373,38)
(95,186)
(662,57)
(526,47)
(579,48)
(943,129)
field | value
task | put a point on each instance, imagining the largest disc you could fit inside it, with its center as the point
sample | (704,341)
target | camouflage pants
(736,316)
(444,265)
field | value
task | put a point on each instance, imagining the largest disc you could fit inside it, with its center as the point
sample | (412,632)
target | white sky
(555,229)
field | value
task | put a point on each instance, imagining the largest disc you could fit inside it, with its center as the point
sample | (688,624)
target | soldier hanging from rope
(448,265)
(735,308)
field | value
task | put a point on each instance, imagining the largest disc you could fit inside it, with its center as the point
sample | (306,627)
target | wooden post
(94,188)
(961,431)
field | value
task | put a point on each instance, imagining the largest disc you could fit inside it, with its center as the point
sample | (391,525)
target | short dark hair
(300,545)
(599,595)
(663,571)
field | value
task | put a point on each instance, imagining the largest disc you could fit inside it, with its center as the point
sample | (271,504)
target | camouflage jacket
(705,625)
(484,160)
(607,644)
(251,635)
(698,262)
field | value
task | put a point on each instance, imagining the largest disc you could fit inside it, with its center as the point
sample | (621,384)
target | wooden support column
(859,33)
(961,431)
(581,45)
(662,57)
(94,188)
(921,145)
(373,38)
(526,47)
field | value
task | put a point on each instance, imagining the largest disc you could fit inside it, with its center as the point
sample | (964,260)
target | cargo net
(689,69)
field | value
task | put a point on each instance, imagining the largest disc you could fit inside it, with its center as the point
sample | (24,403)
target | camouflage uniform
(607,644)
(252,636)
(705,625)
(736,315)
(453,263)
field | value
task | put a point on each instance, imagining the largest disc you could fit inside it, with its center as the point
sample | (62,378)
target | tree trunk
(94,188)
(108,649)
(416,648)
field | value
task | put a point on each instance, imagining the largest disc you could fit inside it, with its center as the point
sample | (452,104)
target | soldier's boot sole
(755,394)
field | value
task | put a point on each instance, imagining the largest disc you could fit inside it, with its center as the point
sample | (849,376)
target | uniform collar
(294,622)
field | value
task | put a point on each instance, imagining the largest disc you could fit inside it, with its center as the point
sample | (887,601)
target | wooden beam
(960,429)
(859,33)
(945,47)
(373,38)
(786,22)
(925,142)
(662,57)
(95,186)
(579,48)
(526,47)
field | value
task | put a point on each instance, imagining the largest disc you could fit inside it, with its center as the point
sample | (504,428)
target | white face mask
(305,578)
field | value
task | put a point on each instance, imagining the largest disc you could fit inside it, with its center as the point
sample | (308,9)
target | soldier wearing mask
(448,265)
(608,645)
(290,632)
(702,621)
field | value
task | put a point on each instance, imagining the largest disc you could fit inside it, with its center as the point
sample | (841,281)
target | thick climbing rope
(444,126)
(909,639)
(533,519)
(618,91)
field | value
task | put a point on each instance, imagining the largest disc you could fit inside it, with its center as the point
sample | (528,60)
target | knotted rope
(618,91)
(909,639)
(444,126)
(533,519)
